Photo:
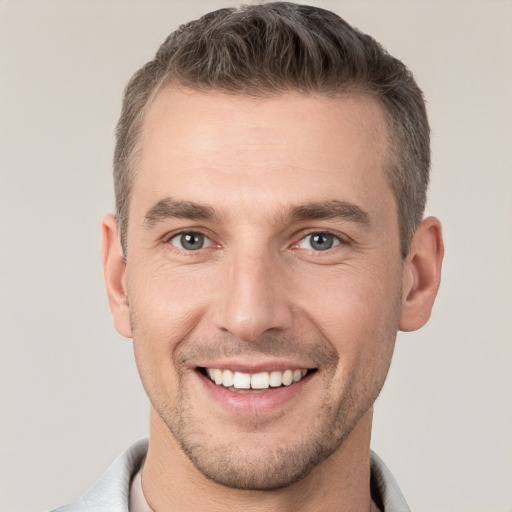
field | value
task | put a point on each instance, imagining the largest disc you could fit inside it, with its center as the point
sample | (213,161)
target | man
(270,171)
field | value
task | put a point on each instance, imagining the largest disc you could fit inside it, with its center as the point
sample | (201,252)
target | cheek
(350,296)
(357,312)
(165,301)
(163,311)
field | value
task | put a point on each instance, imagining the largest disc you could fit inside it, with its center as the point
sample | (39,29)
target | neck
(172,483)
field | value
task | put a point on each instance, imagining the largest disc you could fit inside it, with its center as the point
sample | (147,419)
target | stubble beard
(251,467)
(248,465)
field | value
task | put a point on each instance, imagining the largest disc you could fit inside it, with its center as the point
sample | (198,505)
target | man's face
(263,246)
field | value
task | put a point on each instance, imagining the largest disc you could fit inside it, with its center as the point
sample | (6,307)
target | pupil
(192,241)
(321,241)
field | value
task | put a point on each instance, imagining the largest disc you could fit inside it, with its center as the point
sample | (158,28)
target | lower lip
(260,402)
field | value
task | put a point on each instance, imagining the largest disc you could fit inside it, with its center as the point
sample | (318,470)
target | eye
(319,241)
(190,241)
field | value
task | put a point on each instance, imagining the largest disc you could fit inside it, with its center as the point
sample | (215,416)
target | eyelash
(180,234)
(338,240)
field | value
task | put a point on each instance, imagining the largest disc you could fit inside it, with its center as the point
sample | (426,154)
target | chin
(260,461)
(257,469)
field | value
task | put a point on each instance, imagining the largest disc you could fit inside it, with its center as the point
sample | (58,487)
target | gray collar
(385,491)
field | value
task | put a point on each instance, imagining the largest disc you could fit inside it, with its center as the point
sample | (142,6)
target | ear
(422,275)
(114,271)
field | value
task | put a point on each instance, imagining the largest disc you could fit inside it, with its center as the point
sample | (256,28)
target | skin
(256,177)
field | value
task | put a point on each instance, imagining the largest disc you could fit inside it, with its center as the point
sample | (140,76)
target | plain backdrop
(70,398)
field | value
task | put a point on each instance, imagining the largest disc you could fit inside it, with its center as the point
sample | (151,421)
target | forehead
(295,144)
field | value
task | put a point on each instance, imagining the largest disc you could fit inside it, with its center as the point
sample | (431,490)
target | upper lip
(252,367)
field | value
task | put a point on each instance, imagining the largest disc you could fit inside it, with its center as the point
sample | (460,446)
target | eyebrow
(169,208)
(334,209)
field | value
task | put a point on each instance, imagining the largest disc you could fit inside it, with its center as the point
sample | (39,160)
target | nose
(253,297)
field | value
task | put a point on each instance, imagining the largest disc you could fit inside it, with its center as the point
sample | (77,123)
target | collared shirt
(121,484)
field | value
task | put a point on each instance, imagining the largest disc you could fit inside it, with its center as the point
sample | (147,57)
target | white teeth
(287,377)
(262,380)
(228,378)
(276,379)
(216,375)
(242,380)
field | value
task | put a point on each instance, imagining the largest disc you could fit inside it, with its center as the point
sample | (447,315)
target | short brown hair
(274,48)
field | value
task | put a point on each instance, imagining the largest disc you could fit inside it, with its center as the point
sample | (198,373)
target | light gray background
(70,398)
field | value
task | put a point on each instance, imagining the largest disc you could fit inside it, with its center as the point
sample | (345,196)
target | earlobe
(114,269)
(422,275)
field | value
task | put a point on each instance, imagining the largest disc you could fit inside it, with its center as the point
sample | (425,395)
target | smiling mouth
(246,382)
